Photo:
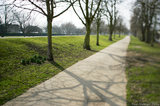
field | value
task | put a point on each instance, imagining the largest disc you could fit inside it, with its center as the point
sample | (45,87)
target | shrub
(23,62)
(34,59)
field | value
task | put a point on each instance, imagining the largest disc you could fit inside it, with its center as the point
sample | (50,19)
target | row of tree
(67,29)
(12,21)
(70,29)
(144,22)
(86,10)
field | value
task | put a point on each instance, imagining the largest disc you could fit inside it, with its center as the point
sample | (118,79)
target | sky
(125,10)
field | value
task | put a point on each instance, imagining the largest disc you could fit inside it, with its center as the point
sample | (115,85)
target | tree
(46,8)
(68,28)
(103,28)
(119,25)
(91,8)
(98,21)
(56,29)
(110,12)
(135,22)
(22,20)
(33,29)
(6,15)
(147,11)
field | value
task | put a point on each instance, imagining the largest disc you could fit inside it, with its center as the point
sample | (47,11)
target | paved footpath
(98,80)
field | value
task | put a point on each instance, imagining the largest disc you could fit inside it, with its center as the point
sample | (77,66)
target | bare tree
(147,11)
(56,29)
(6,15)
(119,25)
(33,29)
(22,20)
(98,22)
(135,22)
(68,28)
(110,11)
(46,8)
(91,8)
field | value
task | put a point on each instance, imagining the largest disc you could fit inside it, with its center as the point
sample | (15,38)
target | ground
(98,80)
(17,78)
(143,73)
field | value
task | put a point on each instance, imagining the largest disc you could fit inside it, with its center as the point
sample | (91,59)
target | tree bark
(143,33)
(50,54)
(154,31)
(110,33)
(148,37)
(86,44)
(98,25)
(110,28)
(119,34)
(152,39)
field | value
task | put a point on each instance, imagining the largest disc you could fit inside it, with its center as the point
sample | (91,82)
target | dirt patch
(36,48)
(139,60)
(137,46)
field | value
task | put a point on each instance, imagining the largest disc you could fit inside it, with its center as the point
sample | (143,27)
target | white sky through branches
(125,10)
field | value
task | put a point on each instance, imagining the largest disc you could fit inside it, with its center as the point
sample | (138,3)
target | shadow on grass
(93,50)
(57,65)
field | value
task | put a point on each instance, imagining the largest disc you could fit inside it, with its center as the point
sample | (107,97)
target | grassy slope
(16,78)
(143,73)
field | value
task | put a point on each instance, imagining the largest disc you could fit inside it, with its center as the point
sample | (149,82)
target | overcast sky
(125,10)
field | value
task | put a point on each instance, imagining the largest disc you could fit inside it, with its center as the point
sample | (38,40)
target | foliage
(34,59)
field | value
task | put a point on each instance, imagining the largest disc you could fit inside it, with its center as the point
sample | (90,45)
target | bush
(23,62)
(34,59)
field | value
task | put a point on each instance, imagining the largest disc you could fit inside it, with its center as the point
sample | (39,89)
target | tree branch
(64,10)
(78,15)
(81,8)
(38,7)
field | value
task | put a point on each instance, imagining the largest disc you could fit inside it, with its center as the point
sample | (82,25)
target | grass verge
(16,78)
(143,74)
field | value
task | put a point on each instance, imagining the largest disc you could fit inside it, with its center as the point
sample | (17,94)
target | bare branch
(81,8)
(38,7)
(28,9)
(78,16)
(64,10)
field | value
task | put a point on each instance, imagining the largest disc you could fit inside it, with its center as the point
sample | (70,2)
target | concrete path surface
(98,80)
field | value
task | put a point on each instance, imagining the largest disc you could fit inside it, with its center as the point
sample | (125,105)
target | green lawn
(143,74)
(16,78)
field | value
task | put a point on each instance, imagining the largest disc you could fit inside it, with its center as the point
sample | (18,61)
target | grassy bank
(143,74)
(16,78)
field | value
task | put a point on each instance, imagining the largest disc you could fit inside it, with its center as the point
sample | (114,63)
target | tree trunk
(152,39)
(110,33)
(119,34)
(148,37)
(154,31)
(98,25)
(86,44)
(50,54)
(114,36)
(143,35)
(143,30)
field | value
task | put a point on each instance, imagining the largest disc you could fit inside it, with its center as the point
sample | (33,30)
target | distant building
(13,28)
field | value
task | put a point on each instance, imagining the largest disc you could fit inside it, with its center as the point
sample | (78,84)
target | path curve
(98,80)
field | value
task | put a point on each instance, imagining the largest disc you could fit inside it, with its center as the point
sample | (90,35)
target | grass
(143,74)
(16,78)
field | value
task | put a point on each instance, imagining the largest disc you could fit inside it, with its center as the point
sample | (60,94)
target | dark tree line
(144,23)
